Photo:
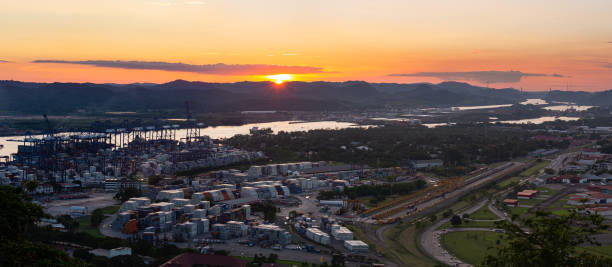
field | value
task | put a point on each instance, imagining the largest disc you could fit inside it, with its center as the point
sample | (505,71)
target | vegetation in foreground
(17,216)
(546,240)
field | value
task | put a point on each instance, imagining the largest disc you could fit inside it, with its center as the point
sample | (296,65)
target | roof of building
(191,259)
(511,201)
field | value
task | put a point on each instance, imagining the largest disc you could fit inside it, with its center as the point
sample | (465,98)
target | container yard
(104,158)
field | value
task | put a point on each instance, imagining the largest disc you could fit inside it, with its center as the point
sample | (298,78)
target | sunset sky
(536,45)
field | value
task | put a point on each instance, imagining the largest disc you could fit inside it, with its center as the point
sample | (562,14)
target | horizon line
(272,82)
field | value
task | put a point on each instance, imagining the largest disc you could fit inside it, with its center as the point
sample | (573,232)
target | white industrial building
(341,232)
(170,194)
(356,246)
(315,234)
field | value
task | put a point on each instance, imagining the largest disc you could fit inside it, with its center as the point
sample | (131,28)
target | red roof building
(511,202)
(607,189)
(526,194)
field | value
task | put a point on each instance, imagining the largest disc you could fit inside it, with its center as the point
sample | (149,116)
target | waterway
(220,131)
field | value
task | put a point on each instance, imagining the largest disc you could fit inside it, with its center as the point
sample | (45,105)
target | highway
(471,184)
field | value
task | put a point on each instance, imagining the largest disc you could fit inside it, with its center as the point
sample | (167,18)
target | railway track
(427,198)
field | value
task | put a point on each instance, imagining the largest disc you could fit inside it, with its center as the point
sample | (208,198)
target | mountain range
(62,98)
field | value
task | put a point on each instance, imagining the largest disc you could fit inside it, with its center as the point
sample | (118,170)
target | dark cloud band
(216,69)
(479,76)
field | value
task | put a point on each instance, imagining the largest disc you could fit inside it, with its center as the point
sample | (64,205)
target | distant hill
(58,98)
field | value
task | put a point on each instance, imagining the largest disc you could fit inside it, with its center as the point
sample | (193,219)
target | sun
(280,78)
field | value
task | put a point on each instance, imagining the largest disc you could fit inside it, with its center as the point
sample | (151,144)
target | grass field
(360,235)
(471,246)
(85,221)
(402,241)
(534,169)
(469,224)
(508,181)
(484,213)
(518,210)
(603,250)
(530,202)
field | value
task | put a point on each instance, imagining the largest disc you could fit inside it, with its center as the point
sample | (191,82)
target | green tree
(16,212)
(70,223)
(546,240)
(155,179)
(97,216)
(17,215)
(126,193)
(448,213)
(26,253)
(455,220)
(31,185)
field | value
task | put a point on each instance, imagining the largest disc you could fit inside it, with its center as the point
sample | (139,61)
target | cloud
(194,3)
(161,3)
(187,3)
(609,65)
(491,76)
(4,61)
(290,54)
(216,69)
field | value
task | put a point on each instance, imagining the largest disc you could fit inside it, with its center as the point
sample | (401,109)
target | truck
(310,248)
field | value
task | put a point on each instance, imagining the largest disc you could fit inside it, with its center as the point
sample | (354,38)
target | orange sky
(345,39)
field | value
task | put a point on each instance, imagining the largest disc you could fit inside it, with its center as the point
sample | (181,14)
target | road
(498,212)
(430,240)
(558,163)
(475,183)
(105,228)
(95,201)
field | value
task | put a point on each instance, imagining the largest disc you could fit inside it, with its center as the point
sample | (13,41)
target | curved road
(430,240)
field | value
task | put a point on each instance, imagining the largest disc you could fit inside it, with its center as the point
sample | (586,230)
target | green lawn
(86,227)
(604,250)
(110,209)
(360,235)
(484,213)
(560,203)
(85,221)
(469,224)
(471,246)
(534,169)
(561,212)
(508,181)
(402,244)
(518,210)
(529,202)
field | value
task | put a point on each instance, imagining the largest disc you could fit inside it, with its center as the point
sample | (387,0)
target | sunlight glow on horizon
(570,39)
(280,78)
